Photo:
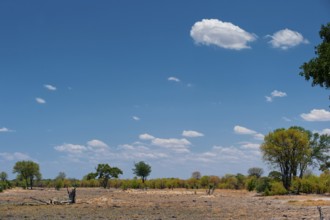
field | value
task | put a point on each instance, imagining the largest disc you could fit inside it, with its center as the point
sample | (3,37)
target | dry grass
(160,204)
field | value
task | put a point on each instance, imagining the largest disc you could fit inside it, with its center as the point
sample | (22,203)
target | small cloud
(174,79)
(286,38)
(97,144)
(14,156)
(135,118)
(40,101)
(221,34)
(275,94)
(286,119)
(250,146)
(242,130)
(71,148)
(50,87)
(4,129)
(316,115)
(146,137)
(192,134)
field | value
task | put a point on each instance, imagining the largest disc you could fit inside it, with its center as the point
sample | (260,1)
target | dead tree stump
(72,195)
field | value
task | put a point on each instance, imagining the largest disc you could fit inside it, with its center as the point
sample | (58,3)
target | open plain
(97,203)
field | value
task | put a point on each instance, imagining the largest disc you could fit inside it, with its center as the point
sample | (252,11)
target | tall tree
(318,68)
(28,171)
(104,172)
(141,169)
(288,150)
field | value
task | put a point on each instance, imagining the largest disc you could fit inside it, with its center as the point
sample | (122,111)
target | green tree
(141,169)
(3,176)
(255,171)
(319,68)
(27,171)
(105,172)
(288,150)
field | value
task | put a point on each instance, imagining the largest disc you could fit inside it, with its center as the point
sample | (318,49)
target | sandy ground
(160,204)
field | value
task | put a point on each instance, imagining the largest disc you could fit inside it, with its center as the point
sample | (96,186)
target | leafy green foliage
(288,150)
(105,172)
(318,69)
(141,169)
(27,171)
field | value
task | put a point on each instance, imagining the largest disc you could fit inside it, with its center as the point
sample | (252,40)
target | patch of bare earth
(97,203)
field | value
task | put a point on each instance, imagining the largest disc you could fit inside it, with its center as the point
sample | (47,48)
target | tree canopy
(27,171)
(141,169)
(104,172)
(288,150)
(318,68)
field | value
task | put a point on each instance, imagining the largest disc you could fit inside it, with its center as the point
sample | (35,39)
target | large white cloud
(316,115)
(221,34)
(286,38)
(192,134)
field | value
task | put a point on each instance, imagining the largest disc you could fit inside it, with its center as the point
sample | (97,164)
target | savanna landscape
(144,108)
(97,203)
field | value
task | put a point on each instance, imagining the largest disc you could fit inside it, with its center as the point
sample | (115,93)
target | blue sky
(181,85)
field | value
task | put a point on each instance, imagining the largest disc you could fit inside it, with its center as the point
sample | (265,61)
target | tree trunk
(72,195)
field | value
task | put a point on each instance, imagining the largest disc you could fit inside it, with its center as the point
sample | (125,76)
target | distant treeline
(266,185)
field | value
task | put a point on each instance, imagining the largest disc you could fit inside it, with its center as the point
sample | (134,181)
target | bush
(251,183)
(277,188)
(263,184)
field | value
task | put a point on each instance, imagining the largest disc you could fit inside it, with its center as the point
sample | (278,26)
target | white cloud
(172,78)
(192,134)
(324,131)
(274,94)
(40,101)
(50,87)
(242,130)
(259,136)
(146,137)
(71,148)
(286,119)
(221,34)
(97,144)
(286,38)
(15,156)
(177,145)
(250,146)
(4,129)
(316,115)
(135,118)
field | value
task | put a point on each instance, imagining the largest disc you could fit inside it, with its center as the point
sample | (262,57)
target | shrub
(277,188)
(263,184)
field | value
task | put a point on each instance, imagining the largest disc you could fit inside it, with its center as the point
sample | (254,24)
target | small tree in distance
(104,172)
(141,169)
(255,171)
(196,175)
(28,171)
